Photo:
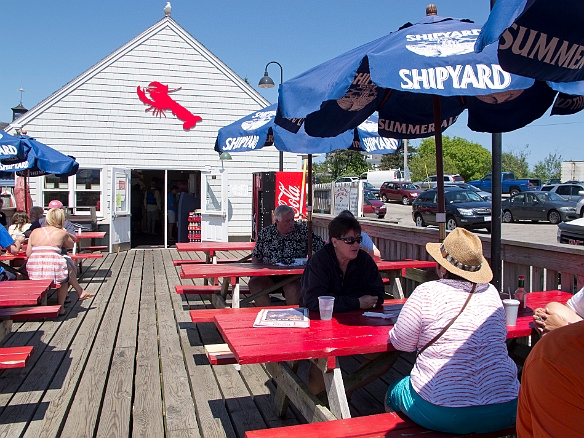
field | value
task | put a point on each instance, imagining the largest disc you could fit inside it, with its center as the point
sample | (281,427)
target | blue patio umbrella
(541,39)
(258,130)
(12,147)
(400,75)
(40,160)
(419,79)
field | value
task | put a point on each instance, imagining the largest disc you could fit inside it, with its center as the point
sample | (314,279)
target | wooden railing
(545,266)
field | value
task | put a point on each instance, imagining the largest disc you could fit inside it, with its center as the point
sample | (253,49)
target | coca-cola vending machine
(271,189)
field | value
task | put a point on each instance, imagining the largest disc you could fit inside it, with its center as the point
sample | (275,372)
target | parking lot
(541,232)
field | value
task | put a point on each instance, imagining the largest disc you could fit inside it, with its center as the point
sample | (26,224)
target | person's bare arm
(15,247)
(554,316)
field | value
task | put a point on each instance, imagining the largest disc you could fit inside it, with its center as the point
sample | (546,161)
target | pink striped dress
(46,262)
(468,365)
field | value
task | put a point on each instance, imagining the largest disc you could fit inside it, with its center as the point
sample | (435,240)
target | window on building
(80,192)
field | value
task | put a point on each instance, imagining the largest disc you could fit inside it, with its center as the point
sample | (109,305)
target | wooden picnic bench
(388,425)
(14,357)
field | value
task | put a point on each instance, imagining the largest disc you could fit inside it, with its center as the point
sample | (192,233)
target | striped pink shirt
(468,365)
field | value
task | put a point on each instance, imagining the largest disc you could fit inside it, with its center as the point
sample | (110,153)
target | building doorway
(149,209)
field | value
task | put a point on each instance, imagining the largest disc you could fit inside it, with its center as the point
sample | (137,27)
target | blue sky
(47,44)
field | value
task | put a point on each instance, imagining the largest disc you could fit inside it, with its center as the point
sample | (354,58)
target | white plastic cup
(325,306)
(511,308)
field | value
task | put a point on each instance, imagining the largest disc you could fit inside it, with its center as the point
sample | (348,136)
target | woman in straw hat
(463,380)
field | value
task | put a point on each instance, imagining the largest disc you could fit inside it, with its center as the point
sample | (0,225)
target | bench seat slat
(206,289)
(219,354)
(25,313)
(388,425)
(202,261)
(14,357)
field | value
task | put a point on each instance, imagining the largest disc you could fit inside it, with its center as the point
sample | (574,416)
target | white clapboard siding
(99,119)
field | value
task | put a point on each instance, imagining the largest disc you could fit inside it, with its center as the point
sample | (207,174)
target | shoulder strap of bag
(435,338)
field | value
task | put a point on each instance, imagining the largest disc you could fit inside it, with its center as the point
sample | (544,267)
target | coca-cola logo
(290,195)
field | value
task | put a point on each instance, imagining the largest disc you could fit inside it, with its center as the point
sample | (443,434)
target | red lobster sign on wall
(161,101)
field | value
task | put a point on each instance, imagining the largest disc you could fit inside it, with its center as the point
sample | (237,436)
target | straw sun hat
(462,254)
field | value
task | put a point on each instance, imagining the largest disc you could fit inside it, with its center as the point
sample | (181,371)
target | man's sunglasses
(351,240)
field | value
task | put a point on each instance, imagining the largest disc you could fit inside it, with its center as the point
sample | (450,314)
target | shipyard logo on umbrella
(258,120)
(442,44)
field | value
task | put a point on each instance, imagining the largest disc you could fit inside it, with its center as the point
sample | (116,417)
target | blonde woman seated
(45,261)
(463,380)
(20,224)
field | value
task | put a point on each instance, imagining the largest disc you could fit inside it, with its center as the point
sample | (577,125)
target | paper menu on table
(293,317)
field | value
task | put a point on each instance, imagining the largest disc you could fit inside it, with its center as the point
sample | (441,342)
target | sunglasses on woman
(351,240)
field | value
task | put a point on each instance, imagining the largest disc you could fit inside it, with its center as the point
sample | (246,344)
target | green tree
(396,160)
(550,167)
(422,166)
(345,163)
(516,161)
(469,159)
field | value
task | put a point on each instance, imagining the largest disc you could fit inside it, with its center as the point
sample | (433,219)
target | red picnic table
(23,292)
(211,248)
(346,334)
(237,270)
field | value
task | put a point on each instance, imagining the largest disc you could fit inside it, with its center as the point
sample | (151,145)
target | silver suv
(580,208)
(430,182)
(571,192)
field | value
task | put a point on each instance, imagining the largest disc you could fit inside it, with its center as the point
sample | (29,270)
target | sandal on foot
(86,296)
(62,311)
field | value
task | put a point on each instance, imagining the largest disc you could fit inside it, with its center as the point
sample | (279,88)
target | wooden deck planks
(83,415)
(63,393)
(44,375)
(212,415)
(178,402)
(148,413)
(116,411)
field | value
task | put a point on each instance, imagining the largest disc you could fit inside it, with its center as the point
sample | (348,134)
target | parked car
(373,206)
(402,191)
(553,181)
(570,192)
(345,179)
(464,208)
(487,196)
(571,232)
(580,208)
(509,184)
(368,187)
(538,206)
(430,182)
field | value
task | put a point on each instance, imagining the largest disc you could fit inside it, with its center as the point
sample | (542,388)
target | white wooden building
(99,119)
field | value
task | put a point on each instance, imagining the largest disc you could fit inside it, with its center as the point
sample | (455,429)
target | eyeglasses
(351,240)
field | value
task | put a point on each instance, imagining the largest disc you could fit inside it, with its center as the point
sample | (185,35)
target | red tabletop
(346,334)
(91,235)
(250,269)
(215,246)
(7,256)
(238,270)
(23,292)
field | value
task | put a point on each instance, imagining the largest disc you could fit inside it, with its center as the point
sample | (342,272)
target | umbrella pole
(26,191)
(309,205)
(441,219)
